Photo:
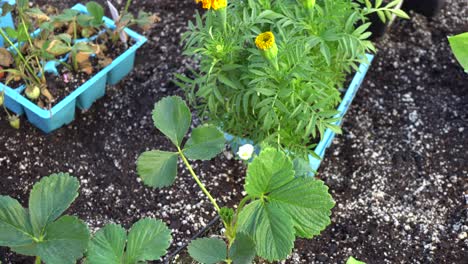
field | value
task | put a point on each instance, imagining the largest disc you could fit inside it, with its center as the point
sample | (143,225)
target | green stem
(5,37)
(223,16)
(32,46)
(4,107)
(127,6)
(239,209)
(38,260)
(75,34)
(189,167)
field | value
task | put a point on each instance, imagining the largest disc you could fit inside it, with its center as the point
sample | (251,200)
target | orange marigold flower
(206,4)
(212,4)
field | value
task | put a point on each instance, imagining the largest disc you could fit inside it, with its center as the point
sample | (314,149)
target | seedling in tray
(63,44)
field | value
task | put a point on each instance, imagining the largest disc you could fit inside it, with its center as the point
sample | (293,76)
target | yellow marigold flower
(217,4)
(265,40)
(212,4)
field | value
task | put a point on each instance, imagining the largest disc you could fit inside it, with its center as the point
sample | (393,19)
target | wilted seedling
(144,20)
(76,23)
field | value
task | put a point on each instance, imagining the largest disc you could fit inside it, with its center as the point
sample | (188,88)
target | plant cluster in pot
(272,71)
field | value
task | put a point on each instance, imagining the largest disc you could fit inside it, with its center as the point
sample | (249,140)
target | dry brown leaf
(45,92)
(105,61)
(40,103)
(6,59)
(38,43)
(71,28)
(82,58)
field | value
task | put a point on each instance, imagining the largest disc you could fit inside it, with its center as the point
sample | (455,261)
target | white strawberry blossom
(246,151)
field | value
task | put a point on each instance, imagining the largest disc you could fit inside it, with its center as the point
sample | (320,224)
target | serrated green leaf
(173,118)
(157,168)
(66,16)
(285,205)
(65,241)
(271,229)
(270,170)
(49,198)
(308,203)
(107,245)
(459,45)
(148,239)
(15,229)
(205,143)
(96,11)
(208,250)
(242,250)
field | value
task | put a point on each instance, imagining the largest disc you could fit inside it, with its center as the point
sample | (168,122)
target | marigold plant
(272,71)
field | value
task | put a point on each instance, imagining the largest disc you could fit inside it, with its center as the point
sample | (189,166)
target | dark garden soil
(398,173)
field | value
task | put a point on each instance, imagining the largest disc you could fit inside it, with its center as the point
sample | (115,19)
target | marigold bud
(309,4)
(266,43)
(265,40)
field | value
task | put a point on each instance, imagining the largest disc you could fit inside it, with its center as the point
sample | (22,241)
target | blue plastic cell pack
(83,97)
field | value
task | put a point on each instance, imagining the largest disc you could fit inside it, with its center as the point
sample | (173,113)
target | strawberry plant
(41,230)
(147,240)
(279,205)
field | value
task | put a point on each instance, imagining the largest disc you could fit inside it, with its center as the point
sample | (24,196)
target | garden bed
(397,174)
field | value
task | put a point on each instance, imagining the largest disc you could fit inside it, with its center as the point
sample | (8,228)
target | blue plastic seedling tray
(83,97)
(6,20)
(329,135)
